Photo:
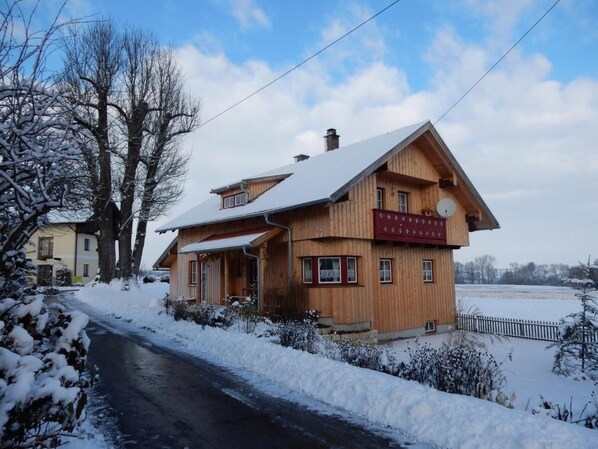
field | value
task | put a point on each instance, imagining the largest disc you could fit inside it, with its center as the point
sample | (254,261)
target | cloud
(248,14)
(527,141)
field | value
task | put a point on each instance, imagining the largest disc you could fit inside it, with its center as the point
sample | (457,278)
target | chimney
(301,157)
(332,139)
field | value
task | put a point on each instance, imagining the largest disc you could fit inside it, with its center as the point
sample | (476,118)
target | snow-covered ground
(424,414)
(532,302)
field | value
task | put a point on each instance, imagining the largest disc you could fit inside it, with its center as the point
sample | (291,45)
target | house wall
(64,250)
(354,218)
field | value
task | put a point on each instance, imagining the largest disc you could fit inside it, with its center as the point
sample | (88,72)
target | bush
(246,314)
(301,335)
(202,314)
(42,359)
(64,277)
(455,369)
(367,355)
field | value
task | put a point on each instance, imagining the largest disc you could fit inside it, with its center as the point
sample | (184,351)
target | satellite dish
(446,207)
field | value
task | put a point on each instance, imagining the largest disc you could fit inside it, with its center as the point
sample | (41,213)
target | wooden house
(355,229)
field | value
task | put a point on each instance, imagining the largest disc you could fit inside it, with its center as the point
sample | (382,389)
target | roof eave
(250,215)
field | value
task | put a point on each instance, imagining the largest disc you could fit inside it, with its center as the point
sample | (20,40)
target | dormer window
(234,200)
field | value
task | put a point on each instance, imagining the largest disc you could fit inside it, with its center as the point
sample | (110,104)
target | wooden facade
(418,271)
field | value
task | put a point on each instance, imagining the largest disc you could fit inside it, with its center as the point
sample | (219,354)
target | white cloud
(527,142)
(248,14)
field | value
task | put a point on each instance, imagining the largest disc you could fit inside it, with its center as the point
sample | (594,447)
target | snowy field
(421,413)
(532,302)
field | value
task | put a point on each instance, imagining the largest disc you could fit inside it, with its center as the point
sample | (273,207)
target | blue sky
(526,136)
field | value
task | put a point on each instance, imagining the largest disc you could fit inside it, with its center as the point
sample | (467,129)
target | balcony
(409,228)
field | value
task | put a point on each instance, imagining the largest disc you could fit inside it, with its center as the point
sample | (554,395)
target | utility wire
(298,65)
(498,62)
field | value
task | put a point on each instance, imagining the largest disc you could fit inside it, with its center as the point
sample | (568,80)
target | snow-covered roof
(319,179)
(63,216)
(221,244)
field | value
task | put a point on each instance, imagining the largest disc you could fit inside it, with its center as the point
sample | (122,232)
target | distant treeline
(483,270)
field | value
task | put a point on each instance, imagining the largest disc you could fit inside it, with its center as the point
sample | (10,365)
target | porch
(228,267)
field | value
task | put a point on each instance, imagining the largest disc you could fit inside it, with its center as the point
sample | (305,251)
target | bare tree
(164,165)
(485,267)
(93,60)
(39,146)
(129,93)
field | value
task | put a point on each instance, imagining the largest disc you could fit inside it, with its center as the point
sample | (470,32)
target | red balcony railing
(409,228)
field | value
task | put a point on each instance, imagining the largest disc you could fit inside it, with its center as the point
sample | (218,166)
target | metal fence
(511,327)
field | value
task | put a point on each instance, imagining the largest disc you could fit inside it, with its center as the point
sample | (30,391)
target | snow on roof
(312,181)
(63,216)
(211,245)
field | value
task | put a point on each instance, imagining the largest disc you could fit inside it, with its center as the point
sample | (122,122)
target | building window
(86,243)
(430,326)
(428,271)
(385,271)
(308,276)
(45,247)
(193,272)
(403,205)
(351,270)
(329,270)
(234,200)
(240,199)
(229,201)
(379,198)
(85,270)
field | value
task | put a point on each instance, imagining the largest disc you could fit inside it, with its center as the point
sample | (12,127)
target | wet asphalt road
(159,398)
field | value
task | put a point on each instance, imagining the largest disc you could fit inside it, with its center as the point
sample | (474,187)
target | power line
(498,62)
(299,65)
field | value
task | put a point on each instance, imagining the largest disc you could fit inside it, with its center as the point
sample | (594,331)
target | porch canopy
(229,242)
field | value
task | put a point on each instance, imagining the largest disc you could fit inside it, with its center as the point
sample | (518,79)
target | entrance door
(44,275)
(210,282)
(204,282)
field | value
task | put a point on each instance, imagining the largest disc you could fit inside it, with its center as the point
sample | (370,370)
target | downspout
(289,249)
(76,242)
(259,283)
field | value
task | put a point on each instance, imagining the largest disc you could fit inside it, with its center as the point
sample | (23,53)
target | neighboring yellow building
(63,243)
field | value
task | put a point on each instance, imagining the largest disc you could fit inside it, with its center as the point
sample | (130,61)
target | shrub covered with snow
(367,355)
(42,358)
(300,335)
(64,277)
(459,369)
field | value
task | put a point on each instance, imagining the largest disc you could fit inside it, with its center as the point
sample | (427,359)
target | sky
(527,135)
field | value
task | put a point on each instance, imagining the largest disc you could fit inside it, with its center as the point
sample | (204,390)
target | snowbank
(423,413)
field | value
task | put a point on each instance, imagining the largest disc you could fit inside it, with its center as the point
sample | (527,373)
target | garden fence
(512,327)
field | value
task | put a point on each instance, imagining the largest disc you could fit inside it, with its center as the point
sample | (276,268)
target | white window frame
(403,202)
(430,326)
(240,199)
(340,271)
(85,270)
(383,271)
(193,272)
(428,270)
(353,279)
(86,244)
(379,198)
(308,261)
(228,202)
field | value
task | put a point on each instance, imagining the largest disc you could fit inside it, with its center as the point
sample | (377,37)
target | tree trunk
(103,206)
(135,130)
